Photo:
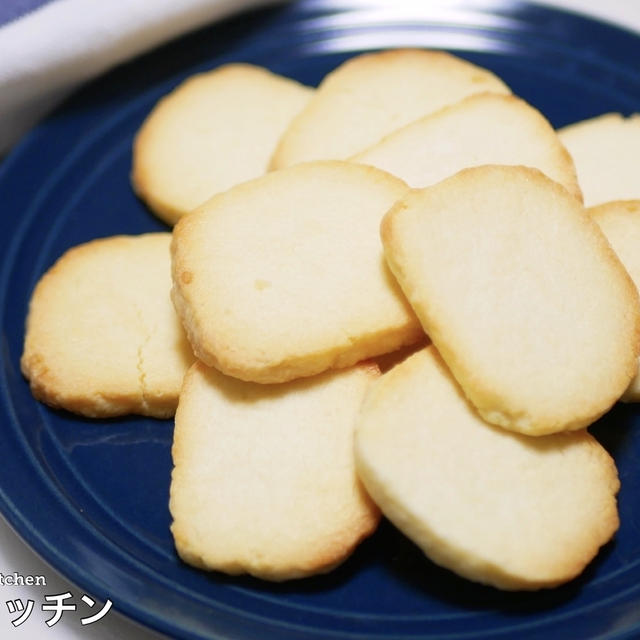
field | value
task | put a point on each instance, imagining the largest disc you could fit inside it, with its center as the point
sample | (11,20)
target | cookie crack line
(142,374)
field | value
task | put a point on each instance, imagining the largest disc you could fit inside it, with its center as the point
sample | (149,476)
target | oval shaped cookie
(284,276)
(521,294)
(371,95)
(485,128)
(496,507)
(620,223)
(605,153)
(215,130)
(102,337)
(264,477)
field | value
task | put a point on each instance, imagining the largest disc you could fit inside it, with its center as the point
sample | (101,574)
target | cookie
(284,276)
(215,130)
(521,294)
(499,508)
(620,222)
(264,478)
(371,95)
(102,337)
(605,150)
(485,128)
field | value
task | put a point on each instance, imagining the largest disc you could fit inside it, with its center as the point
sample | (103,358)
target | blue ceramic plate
(91,497)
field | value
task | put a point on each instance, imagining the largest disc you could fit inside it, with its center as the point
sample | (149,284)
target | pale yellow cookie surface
(521,294)
(215,130)
(485,128)
(102,336)
(496,507)
(264,477)
(371,95)
(620,222)
(605,153)
(284,276)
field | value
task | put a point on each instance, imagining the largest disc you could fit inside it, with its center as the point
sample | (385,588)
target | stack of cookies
(381,296)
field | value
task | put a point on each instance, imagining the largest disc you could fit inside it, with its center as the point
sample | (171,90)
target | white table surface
(15,556)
